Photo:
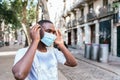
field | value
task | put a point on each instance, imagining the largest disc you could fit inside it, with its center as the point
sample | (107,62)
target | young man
(39,60)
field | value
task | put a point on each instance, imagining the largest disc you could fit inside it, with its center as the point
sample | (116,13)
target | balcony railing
(91,15)
(116,17)
(73,22)
(105,11)
(81,20)
(69,24)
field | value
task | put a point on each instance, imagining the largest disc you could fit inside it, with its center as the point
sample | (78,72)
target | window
(82,12)
(105,2)
(90,6)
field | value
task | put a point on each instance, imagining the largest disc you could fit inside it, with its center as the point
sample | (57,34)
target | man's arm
(70,60)
(23,66)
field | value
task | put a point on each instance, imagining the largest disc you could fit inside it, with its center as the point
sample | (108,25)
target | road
(85,71)
(89,70)
(5,67)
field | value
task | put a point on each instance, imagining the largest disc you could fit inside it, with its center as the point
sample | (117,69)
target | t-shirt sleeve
(60,56)
(20,53)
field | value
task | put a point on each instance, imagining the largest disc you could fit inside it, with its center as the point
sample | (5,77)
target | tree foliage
(8,15)
(25,10)
(116,5)
(19,6)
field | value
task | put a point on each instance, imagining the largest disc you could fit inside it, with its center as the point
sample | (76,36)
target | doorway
(92,27)
(69,38)
(118,41)
(75,36)
(83,35)
(105,33)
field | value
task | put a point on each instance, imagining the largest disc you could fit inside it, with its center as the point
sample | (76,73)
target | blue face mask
(48,39)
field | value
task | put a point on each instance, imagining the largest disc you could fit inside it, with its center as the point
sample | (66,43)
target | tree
(24,13)
(26,16)
(8,15)
(43,5)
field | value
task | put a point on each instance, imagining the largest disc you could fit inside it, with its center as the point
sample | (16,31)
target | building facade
(92,21)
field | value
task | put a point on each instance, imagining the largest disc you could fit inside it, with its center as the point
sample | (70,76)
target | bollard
(104,52)
(87,51)
(94,51)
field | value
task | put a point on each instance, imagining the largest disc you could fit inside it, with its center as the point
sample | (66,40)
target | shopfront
(105,32)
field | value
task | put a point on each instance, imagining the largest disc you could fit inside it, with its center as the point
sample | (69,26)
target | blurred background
(90,28)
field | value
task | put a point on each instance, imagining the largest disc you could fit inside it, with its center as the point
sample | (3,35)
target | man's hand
(35,33)
(70,60)
(59,40)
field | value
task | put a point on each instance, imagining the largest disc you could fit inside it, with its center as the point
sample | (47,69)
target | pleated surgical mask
(48,39)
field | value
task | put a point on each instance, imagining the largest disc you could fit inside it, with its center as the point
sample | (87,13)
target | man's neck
(42,47)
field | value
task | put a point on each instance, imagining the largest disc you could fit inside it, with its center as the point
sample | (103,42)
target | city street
(85,70)
(90,29)
(91,70)
(5,67)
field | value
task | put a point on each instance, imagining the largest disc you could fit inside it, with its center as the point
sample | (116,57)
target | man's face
(48,27)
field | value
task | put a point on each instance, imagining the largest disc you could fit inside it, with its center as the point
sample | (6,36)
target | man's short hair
(41,22)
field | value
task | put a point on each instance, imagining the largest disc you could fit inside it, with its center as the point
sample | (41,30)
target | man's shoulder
(23,49)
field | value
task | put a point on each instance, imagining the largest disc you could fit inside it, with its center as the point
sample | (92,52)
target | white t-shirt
(44,66)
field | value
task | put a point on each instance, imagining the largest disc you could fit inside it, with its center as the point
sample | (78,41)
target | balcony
(105,11)
(81,20)
(68,24)
(116,17)
(73,22)
(91,15)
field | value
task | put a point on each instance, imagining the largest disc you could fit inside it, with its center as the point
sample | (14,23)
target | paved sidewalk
(91,70)
(113,64)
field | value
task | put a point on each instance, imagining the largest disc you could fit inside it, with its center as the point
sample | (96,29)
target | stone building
(91,21)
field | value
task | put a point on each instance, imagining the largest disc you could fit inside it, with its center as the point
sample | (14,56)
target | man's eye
(49,31)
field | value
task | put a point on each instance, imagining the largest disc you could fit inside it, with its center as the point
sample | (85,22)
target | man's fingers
(59,33)
(38,28)
(35,27)
(56,32)
(38,31)
(32,28)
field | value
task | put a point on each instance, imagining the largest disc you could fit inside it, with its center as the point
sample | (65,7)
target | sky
(54,8)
